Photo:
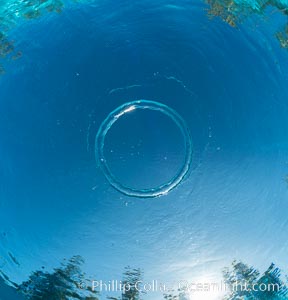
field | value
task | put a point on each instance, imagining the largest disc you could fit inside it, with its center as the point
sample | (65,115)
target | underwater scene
(143,149)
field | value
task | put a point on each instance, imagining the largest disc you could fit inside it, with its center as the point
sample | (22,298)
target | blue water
(229,84)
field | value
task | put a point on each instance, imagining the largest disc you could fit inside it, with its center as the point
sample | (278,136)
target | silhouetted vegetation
(130,279)
(247,283)
(66,283)
(131,287)
(178,295)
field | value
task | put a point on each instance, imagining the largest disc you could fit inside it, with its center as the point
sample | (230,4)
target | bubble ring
(108,123)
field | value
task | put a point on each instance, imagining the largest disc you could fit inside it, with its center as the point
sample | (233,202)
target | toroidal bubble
(108,123)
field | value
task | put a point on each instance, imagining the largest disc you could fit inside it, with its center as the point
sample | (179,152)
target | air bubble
(109,122)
